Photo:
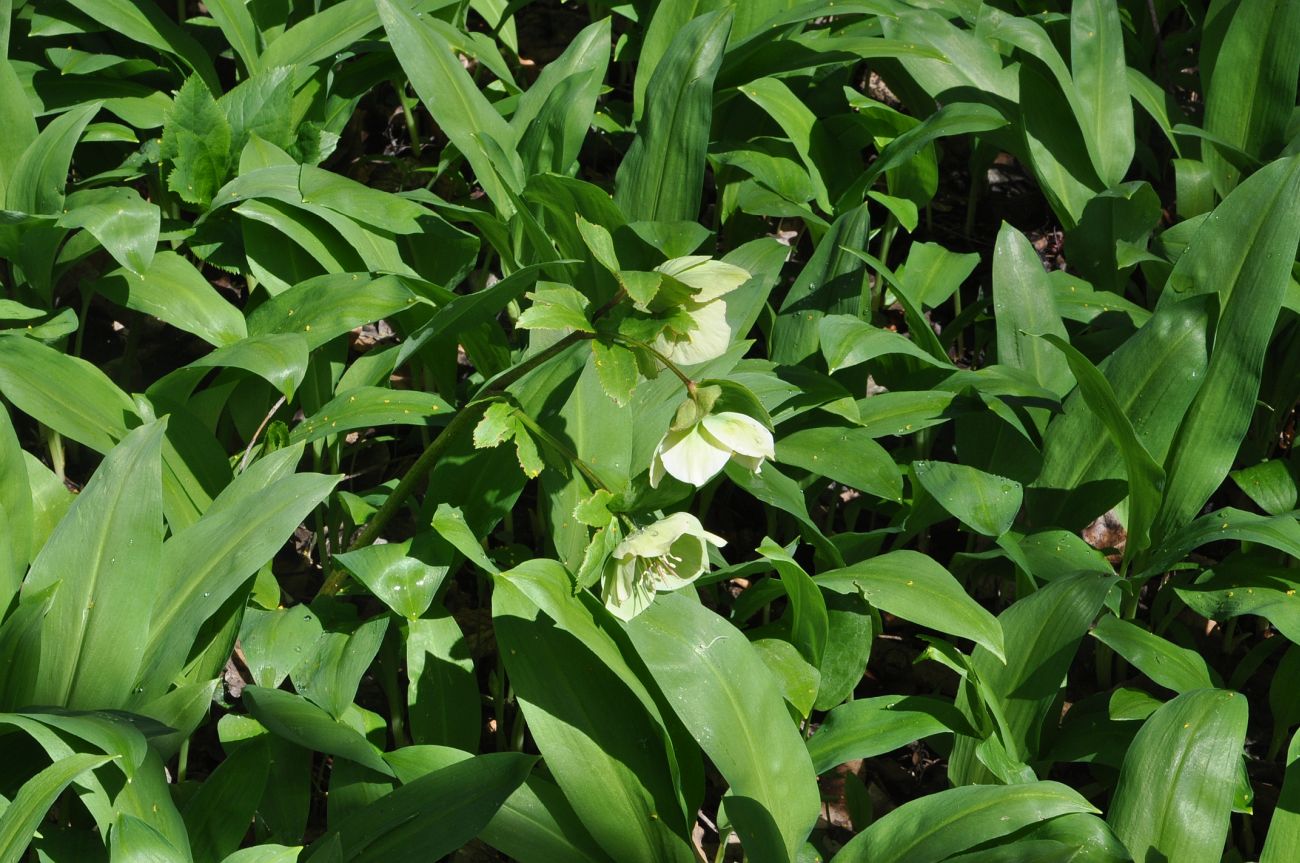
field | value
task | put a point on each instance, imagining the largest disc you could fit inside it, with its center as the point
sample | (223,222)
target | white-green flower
(667,555)
(697,453)
(707,336)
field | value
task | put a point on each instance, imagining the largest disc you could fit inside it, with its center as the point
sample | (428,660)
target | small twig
(266,420)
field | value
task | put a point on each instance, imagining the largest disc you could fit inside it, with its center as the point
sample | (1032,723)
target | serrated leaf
(556,307)
(196,140)
(616,366)
(496,427)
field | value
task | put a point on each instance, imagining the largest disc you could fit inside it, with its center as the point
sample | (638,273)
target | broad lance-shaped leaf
(1023,304)
(1250,84)
(21,818)
(830,284)
(913,586)
(37,379)
(299,721)
(1042,631)
(429,817)
(984,502)
(1243,252)
(173,290)
(206,563)
(934,827)
(1145,478)
(1166,663)
(125,224)
(602,746)
(1105,111)
(106,553)
(1174,797)
(721,690)
(16,511)
(456,103)
(1282,842)
(662,176)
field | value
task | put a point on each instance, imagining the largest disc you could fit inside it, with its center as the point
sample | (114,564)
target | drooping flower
(697,453)
(666,555)
(700,332)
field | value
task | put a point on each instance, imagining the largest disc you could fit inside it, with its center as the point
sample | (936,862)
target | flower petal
(708,340)
(693,458)
(710,279)
(740,433)
(656,463)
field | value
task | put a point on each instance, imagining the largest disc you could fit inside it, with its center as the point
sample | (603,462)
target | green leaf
(605,750)
(934,827)
(556,307)
(369,407)
(218,815)
(330,674)
(261,105)
(205,564)
(983,502)
(403,577)
(442,696)
(1270,484)
(1248,266)
(616,367)
(1145,477)
(173,290)
(958,118)
(537,825)
(106,552)
(847,341)
(458,106)
(16,509)
(1250,85)
(326,307)
(809,621)
(869,727)
(196,140)
(433,815)
(797,121)
(1174,796)
(662,176)
(323,35)
(1042,633)
(846,455)
(1022,305)
(555,114)
(914,587)
(695,656)
(279,359)
(1154,375)
(274,642)
(237,25)
(829,285)
(1282,842)
(37,181)
(145,23)
(124,223)
(299,721)
(932,273)
(1103,107)
(22,817)
(38,379)
(1165,663)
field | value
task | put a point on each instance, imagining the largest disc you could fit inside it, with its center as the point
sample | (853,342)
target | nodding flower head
(667,555)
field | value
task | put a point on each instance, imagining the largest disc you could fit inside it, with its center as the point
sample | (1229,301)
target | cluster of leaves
(470,427)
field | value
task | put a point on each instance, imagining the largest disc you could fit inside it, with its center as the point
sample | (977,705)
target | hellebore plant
(666,555)
(699,443)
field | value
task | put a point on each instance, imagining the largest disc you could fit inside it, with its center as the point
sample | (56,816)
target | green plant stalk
(416,473)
